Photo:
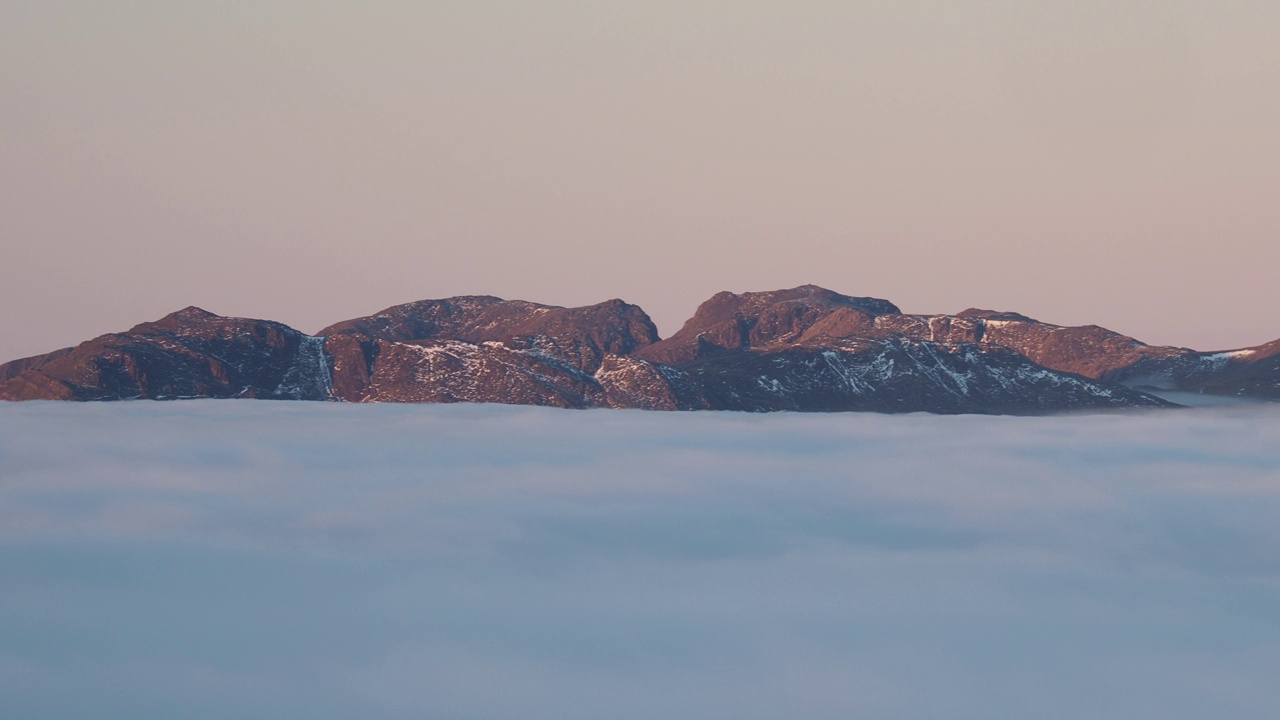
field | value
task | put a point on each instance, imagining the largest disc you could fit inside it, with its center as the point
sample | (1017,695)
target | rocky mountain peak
(732,321)
(190,316)
(995,315)
(188,353)
(803,348)
(578,336)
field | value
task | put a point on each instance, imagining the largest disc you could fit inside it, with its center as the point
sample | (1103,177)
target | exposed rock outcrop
(187,354)
(805,348)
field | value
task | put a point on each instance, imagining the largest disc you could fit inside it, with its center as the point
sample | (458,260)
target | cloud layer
(256,559)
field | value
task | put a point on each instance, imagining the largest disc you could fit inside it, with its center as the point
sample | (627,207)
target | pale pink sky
(1110,163)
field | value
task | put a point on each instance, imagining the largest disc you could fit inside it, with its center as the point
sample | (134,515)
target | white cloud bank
(219,559)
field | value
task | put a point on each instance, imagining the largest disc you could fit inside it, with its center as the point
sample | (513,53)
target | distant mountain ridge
(802,349)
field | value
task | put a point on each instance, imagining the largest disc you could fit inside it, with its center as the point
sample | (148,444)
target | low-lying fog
(252,559)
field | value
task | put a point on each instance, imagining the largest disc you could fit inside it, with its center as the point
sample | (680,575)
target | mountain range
(803,349)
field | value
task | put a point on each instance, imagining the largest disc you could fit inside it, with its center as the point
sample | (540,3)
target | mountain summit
(804,348)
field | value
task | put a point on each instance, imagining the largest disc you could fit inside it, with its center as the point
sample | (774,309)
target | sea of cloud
(253,559)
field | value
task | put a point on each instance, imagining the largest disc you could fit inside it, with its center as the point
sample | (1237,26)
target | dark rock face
(903,376)
(811,349)
(1100,354)
(1090,350)
(190,353)
(13,368)
(729,322)
(810,316)
(583,335)
(806,349)
(493,372)
(1250,373)
(483,349)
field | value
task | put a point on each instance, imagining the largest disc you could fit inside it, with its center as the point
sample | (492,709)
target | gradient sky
(1109,163)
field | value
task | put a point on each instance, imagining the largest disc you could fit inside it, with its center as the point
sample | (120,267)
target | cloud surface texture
(219,559)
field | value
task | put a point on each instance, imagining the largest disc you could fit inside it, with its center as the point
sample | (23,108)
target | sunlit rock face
(801,349)
(187,354)
(485,349)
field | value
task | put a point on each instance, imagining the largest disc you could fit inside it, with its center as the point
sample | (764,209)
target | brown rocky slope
(804,348)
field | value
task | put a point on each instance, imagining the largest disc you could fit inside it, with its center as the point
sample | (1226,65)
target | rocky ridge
(187,354)
(804,348)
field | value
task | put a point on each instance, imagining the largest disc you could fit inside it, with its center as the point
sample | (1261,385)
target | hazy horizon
(1096,163)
